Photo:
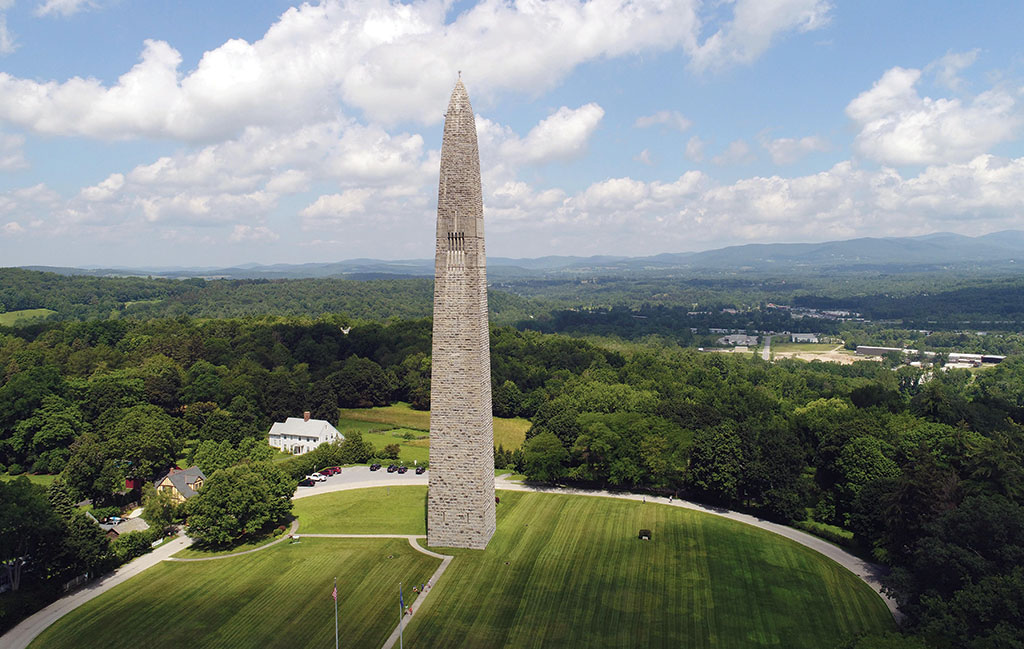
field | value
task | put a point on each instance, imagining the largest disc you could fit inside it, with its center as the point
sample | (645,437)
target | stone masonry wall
(460,500)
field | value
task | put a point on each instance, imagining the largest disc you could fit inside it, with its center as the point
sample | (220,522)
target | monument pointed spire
(460,499)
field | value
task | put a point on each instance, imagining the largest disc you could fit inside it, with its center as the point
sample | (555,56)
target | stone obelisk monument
(460,500)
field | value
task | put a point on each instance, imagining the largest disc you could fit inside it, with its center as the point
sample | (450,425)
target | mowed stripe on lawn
(279,597)
(373,510)
(578,576)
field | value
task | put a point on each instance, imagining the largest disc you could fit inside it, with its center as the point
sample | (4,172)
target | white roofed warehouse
(300,435)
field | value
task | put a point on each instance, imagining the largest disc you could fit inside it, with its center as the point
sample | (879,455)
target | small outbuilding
(645,535)
(126,526)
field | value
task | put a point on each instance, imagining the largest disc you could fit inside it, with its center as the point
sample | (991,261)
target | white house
(299,436)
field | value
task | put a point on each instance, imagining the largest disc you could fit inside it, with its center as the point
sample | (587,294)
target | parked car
(375,467)
(331,470)
(319,477)
(403,469)
(306,482)
(392,468)
(420,470)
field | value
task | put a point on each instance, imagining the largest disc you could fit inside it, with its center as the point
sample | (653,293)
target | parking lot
(353,477)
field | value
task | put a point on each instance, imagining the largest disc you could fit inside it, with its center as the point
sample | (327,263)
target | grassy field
(569,571)
(409,449)
(279,597)
(398,510)
(510,433)
(9,318)
(560,571)
(803,347)
(576,571)
(43,479)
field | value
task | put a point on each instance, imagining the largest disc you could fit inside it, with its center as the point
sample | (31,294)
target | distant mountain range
(944,250)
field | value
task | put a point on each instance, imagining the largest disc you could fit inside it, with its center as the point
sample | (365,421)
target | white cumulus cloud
(738,152)
(63,7)
(900,127)
(754,25)
(250,233)
(7,42)
(386,60)
(11,156)
(561,136)
(669,118)
(694,149)
(787,150)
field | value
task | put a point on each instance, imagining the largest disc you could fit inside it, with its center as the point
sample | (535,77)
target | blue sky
(186,133)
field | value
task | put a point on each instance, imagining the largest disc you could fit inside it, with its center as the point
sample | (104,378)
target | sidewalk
(20,636)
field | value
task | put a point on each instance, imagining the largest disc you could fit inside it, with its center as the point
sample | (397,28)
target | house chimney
(305,416)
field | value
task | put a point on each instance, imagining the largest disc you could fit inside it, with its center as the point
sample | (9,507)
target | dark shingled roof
(181,480)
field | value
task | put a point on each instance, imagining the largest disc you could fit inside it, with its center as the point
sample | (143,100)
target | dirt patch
(835,355)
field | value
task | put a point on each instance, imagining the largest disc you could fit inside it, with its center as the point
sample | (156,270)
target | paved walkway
(412,538)
(868,572)
(20,636)
(294,527)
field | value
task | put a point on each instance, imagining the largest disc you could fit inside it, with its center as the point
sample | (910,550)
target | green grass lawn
(41,479)
(561,571)
(510,433)
(10,318)
(409,450)
(279,597)
(567,571)
(578,576)
(377,510)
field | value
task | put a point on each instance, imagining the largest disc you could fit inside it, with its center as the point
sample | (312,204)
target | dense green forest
(665,305)
(922,472)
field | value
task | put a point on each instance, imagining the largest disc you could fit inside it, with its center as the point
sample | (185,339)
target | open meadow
(24,316)
(560,571)
(509,433)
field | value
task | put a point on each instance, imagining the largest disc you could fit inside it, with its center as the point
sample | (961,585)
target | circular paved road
(360,476)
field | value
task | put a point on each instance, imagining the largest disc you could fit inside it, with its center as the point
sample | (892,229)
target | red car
(331,470)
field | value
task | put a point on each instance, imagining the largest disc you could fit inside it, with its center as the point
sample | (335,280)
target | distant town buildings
(738,339)
(951,357)
(298,436)
(803,338)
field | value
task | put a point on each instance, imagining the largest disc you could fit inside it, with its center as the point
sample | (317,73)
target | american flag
(335,593)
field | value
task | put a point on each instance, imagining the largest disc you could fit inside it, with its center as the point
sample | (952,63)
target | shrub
(15,469)
(391,451)
(134,544)
(828,532)
(105,512)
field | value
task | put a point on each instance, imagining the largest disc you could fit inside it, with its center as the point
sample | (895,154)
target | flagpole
(401,617)
(335,613)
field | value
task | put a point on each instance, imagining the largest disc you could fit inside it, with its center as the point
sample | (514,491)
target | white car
(319,477)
